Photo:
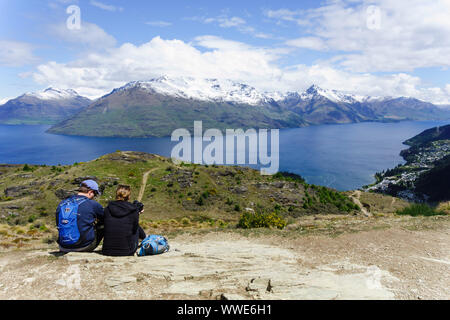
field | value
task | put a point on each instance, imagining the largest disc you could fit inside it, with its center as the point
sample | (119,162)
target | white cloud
(16,54)
(447,88)
(98,73)
(226,22)
(105,6)
(213,57)
(159,23)
(89,35)
(238,23)
(308,43)
(412,33)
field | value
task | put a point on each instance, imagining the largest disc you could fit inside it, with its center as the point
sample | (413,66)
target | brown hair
(85,189)
(123,193)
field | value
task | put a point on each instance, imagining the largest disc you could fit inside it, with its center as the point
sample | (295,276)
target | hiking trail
(144,184)
(355,196)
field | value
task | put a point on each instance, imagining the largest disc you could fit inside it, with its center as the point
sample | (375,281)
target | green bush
(251,220)
(200,201)
(420,209)
(185,221)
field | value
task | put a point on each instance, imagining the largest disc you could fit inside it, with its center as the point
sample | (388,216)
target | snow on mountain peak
(202,89)
(54,94)
(222,90)
(336,96)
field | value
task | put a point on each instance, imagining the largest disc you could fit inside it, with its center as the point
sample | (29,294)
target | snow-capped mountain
(158,106)
(201,89)
(43,107)
(53,94)
(222,90)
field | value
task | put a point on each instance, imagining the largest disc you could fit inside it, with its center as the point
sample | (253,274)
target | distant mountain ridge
(44,107)
(158,106)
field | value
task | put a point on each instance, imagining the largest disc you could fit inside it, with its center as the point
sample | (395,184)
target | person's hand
(141,212)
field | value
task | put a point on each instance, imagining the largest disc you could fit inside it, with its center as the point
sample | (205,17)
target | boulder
(240,190)
(17,191)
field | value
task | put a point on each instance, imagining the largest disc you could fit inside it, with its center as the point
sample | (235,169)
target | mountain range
(158,106)
(46,107)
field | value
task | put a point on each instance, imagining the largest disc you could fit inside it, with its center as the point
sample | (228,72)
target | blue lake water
(340,156)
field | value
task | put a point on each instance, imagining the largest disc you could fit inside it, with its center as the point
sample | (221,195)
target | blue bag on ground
(154,244)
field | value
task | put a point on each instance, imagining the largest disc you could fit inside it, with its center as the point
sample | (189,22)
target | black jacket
(122,230)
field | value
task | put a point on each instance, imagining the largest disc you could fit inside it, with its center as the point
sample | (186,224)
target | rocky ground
(391,263)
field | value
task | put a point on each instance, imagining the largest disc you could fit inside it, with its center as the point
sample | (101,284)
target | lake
(344,157)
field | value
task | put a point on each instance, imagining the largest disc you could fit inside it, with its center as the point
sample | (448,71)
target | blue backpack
(153,244)
(68,221)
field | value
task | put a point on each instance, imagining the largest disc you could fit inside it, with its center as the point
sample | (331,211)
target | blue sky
(379,47)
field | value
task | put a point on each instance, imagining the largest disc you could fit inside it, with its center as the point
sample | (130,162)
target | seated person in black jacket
(122,230)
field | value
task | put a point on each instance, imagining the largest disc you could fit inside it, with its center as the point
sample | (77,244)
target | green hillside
(199,193)
(436,181)
(430,135)
(137,114)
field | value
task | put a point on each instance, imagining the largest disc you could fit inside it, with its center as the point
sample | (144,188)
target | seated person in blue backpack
(122,230)
(80,220)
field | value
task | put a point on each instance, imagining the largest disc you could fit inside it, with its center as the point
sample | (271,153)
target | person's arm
(99,213)
(142,234)
(135,221)
(57,214)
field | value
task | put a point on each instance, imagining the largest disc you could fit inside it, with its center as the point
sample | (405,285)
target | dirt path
(355,196)
(144,184)
(377,264)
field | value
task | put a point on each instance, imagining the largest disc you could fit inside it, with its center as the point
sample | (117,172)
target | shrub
(420,209)
(287,176)
(185,221)
(250,220)
(221,223)
(237,208)
(200,201)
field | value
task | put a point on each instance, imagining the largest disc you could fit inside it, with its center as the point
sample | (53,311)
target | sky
(376,47)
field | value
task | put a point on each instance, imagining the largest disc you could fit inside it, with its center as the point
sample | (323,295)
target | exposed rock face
(240,190)
(19,191)
(219,269)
